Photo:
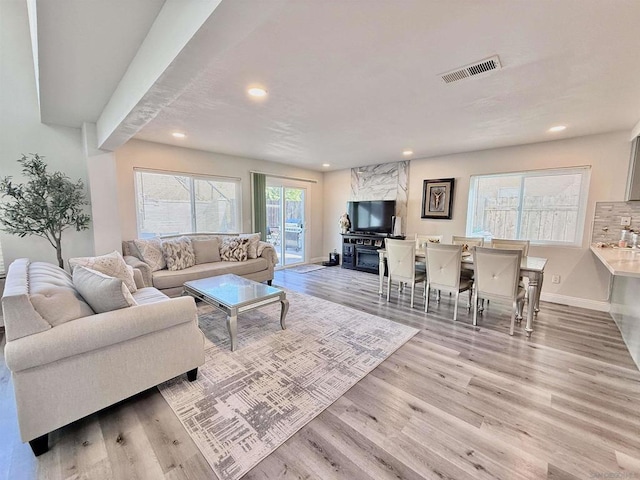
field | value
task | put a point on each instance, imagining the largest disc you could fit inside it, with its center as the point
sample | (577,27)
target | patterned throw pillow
(234,249)
(150,252)
(178,253)
(254,240)
(111,264)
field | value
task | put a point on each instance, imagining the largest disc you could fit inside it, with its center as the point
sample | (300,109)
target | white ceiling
(84,48)
(353,83)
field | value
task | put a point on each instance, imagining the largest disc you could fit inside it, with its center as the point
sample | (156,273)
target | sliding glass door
(286,221)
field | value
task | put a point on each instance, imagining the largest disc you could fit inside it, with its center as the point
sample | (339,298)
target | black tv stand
(360,250)
(369,234)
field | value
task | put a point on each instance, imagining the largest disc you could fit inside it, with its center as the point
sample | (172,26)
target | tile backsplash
(606,221)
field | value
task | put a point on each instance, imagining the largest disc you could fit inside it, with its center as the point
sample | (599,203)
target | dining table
(530,267)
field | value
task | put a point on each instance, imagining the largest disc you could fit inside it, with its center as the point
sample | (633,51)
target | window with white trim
(546,207)
(172,203)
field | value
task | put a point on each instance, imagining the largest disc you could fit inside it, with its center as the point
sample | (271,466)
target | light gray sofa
(170,282)
(67,362)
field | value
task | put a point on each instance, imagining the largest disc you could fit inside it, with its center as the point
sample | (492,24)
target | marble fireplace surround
(386,181)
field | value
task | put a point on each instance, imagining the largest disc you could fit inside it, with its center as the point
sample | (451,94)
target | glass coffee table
(233,295)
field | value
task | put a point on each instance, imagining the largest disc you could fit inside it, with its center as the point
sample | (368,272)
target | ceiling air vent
(477,68)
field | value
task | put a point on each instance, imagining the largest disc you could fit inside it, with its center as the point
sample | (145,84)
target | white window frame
(584,171)
(192,177)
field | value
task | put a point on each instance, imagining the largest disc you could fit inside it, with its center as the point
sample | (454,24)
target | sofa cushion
(149,295)
(150,252)
(98,331)
(102,292)
(206,251)
(111,264)
(165,279)
(178,253)
(53,295)
(234,249)
(254,240)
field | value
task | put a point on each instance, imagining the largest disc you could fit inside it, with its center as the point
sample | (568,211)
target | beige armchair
(497,276)
(401,265)
(443,273)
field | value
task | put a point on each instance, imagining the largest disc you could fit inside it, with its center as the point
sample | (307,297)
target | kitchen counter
(624,265)
(623,262)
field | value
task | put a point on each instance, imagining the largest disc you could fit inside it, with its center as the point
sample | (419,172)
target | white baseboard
(318,260)
(576,302)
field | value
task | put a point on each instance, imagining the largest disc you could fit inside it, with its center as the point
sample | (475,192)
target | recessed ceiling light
(557,128)
(326,164)
(407,152)
(178,134)
(257,92)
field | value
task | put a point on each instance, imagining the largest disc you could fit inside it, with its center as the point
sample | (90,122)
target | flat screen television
(375,216)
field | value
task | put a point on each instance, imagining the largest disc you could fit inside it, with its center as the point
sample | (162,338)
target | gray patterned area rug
(246,403)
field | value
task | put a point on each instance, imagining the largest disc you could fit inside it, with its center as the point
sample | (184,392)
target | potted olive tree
(45,206)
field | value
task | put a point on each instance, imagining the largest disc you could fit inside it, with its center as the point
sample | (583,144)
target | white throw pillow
(111,264)
(102,292)
(150,252)
(254,240)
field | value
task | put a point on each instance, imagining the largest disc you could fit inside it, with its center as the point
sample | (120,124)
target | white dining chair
(443,273)
(467,245)
(401,265)
(470,242)
(422,240)
(497,276)
(507,244)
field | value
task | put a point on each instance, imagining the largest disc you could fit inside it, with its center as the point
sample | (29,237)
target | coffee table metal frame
(197,289)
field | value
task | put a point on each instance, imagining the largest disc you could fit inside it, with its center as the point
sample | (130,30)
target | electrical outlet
(555,279)
(625,221)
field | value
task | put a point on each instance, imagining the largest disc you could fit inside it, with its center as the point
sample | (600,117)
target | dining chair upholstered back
(506,244)
(497,276)
(469,241)
(443,272)
(467,245)
(401,256)
(401,265)
(443,266)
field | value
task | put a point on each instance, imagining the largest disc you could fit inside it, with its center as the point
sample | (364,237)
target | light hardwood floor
(455,402)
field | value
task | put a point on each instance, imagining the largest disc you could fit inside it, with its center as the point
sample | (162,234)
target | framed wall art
(437,198)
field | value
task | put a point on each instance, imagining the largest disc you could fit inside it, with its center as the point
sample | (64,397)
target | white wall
(140,154)
(584,281)
(22,132)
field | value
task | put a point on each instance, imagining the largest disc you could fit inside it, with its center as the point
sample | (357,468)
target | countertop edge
(598,252)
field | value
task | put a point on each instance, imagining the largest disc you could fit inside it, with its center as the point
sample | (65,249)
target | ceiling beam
(635,131)
(184,39)
(173,28)
(33,30)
